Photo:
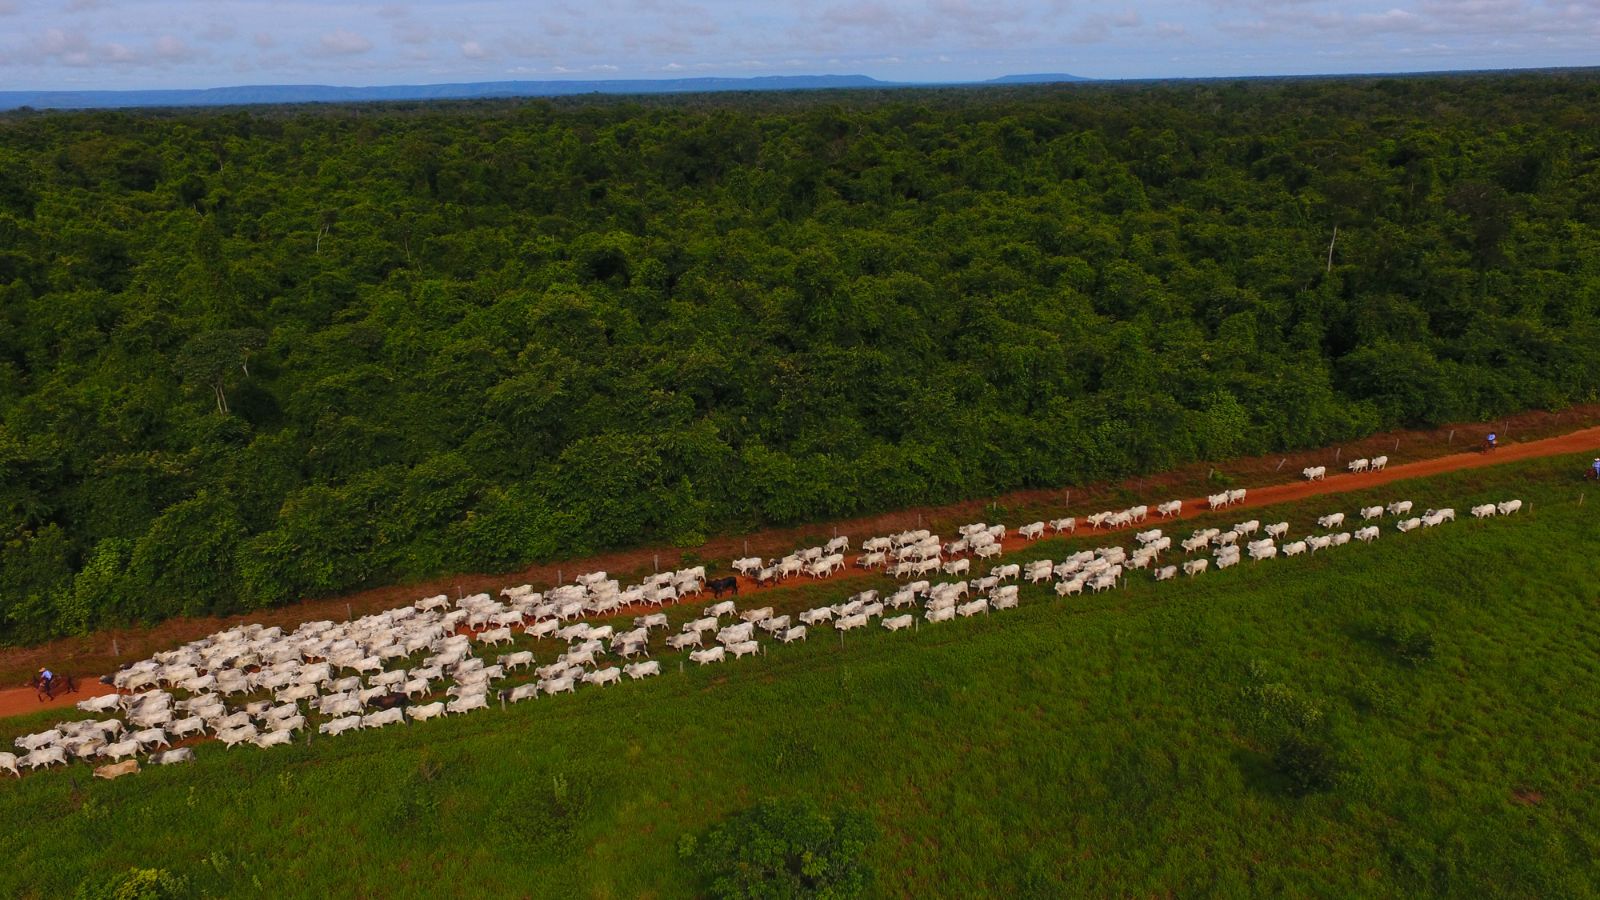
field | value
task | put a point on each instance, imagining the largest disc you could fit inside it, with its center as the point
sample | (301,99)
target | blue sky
(69,44)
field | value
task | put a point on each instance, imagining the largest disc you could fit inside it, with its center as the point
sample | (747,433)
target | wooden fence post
(1452,436)
(1280,464)
(1337,454)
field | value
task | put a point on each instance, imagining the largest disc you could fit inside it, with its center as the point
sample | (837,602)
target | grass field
(1118,744)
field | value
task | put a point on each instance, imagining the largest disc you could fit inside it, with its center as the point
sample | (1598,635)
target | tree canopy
(248,356)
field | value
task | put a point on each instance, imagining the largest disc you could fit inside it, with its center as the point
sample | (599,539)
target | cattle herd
(259,686)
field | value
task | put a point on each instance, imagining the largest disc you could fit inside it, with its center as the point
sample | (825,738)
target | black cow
(389,701)
(720,585)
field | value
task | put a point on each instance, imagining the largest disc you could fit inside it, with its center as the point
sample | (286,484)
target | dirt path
(21,701)
(1412,454)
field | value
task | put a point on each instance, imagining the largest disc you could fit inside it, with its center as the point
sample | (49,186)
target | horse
(46,689)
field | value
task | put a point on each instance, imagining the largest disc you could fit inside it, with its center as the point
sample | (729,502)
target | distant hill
(322,93)
(1039,78)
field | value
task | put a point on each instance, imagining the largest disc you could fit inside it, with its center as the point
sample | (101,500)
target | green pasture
(1119,744)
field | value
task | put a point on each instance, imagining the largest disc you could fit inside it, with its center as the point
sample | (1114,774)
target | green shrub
(135,884)
(1409,642)
(1309,765)
(785,848)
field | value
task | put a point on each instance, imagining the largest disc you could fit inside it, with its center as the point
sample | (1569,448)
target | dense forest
(248,356)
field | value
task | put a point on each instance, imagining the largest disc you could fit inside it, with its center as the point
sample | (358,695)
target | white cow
(426,711)
(980,605)
(1170,508)
(382,718)
(637,671)
(467,703)
(744,648)
(724,608)
(1195,566)
(1032,530)
(150,737)
(1068,524)
(847,623)
(1331,520)
(45,757)
(1294,549)
(1070,586)
(247,733)
(943,614)
(1484,511)
(705,657)
(1409,524)
(281,738)
(1166,573)
(896,623)
(1277,530)
(1399,507)
(117,751)
(180,755)
(789,635)
(103,703)
(520,693)
(820,614)
(1379,462)
(1368,534)
(1371,512)
(31,742)
(685,641)
(561,684)
(1315,473)
(1358,465)
(958,567)
(1508,507)
(518,660)
(611,675)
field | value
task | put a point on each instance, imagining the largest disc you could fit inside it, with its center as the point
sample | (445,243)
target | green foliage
(1308,765)
(1409,641)
(135,884)
(293,352)
(786,848)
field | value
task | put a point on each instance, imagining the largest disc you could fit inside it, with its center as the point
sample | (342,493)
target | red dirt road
(21,701)
(90,655)
(1338,483)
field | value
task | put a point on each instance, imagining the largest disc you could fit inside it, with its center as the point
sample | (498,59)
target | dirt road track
(137,643)
(21,701)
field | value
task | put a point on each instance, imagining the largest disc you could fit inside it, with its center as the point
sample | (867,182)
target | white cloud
(342,43)
(473,50)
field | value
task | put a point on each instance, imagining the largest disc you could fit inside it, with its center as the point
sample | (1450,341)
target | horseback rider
(1596,468)
(1489,442)
(46,681)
